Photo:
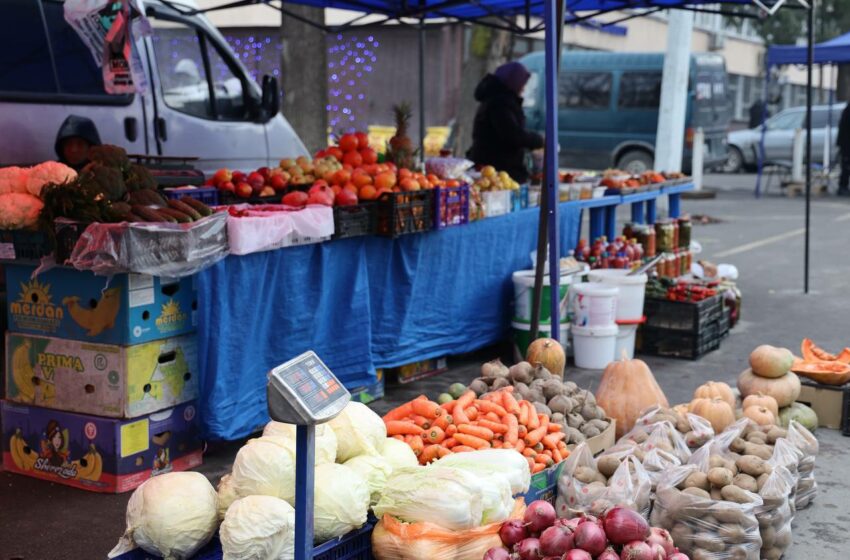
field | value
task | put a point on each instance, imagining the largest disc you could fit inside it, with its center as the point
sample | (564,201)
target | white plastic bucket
(524,296)
(593,304)
(594,347)
(626,341)
(522,337)
(632,291)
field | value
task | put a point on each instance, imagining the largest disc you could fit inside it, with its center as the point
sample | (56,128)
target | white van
(201,100)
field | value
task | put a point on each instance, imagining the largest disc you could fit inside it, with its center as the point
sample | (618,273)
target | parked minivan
(201,100)
(608,107)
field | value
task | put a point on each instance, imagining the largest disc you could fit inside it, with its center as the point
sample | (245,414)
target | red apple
(277,182)
(265,172)
(256,181)
(323,197)
(222,176)
(345,198)
(298,199)
(244,190)
(227,186)
(238,177)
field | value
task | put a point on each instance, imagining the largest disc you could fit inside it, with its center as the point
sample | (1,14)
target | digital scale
(304,392)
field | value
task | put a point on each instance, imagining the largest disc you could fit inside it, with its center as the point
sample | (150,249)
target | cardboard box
(830,403)
(95,453)
(417,370)
(125,309)
(101,379)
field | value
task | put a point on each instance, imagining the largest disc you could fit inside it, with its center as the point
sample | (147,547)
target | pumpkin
(814,353)
(682,409)
(627,388)
(760,399)
(807,417)
(828,373)
(715,389)
(717,411)
(760,415)
(549,354)
(769,361)
(784,390)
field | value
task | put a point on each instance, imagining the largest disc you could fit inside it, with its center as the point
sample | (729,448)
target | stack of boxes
(101,377)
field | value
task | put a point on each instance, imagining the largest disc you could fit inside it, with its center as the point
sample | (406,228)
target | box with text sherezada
(79,305)
(101,379)
(96,453)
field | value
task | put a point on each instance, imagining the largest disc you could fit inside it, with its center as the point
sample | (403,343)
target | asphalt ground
(764,238)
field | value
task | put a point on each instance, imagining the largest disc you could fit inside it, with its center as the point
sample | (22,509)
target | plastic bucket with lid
(524,296)
(593,304)
(522,336)
(626,341)
(594,347)
(632,290)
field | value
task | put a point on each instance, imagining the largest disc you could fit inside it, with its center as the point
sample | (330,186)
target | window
(640,90)
(227,87)
(821,118)
(585,90)
(75,65)
(25,65)
(180,64)
(529,95)
(786,121)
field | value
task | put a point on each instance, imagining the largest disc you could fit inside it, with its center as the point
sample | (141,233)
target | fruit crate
(354,221)
(207,195)
(24,245)
(356,545)
(451,206)
(675,343)
(684,316)
(404,212)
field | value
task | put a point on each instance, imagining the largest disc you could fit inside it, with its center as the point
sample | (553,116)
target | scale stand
(304,392)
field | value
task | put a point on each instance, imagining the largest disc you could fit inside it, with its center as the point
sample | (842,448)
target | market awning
(834,51)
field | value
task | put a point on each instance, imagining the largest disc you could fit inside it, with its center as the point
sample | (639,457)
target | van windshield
(711,99)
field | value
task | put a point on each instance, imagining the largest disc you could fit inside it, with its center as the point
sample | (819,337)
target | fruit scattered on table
(493,180)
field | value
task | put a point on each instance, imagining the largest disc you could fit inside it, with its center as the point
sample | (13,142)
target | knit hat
(514,75)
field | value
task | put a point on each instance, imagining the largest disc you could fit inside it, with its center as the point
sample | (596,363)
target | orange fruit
(385,180)
(361,180)
(409,184)
(404,173)
(351,187)
(368,193)
(341,177)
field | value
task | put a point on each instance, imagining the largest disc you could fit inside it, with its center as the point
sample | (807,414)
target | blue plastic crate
(544,485)
(207,195)
(356,545)
(451,206)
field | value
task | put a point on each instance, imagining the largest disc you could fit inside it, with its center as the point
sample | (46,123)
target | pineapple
(400,150)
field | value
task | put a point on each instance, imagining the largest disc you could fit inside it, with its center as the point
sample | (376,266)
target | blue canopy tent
(834,51)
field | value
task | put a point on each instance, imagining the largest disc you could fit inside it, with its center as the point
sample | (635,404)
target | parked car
(202,100)
(743,145)
(608,107)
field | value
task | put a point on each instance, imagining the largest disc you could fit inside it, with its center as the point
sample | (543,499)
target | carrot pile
(495,421)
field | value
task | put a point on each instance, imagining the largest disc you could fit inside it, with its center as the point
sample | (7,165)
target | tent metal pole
(422,91)
(553,24)
(810,47)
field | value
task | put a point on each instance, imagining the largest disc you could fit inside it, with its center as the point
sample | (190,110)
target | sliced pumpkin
(814,353)
(828,372)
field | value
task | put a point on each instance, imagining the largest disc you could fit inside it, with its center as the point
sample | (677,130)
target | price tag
(305,391)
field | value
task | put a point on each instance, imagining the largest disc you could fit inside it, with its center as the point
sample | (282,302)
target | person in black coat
(844,146)
(758,112)
(76,135)
(499,137)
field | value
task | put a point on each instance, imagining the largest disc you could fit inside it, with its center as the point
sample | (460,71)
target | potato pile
(589,486)
(575,409)
(711,515)
(775,514)
(696,430)
(807,443)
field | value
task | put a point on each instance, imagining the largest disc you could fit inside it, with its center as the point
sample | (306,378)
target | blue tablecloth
(360,303)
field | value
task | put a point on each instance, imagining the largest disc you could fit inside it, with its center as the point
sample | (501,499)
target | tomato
(362,141)
(348,142)
(352,158)
(369,155)
(335,152)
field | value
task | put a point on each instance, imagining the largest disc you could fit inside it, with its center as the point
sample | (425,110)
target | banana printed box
(96,453)
(101,379)
(126,309)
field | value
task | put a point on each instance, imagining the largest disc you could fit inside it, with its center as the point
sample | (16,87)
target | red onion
(586,518)
(529,549)
(678,555)
(512,532)
(623,525)
(590,537)
(608,554)
(555,541)
(578,554)
(660,536)
(497,553)
(657,551)
(538,516)
(572,523)
(636,550)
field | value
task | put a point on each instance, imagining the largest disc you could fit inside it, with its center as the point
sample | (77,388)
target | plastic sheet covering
(275,226)
(157,249)
(448,167)
(395,540)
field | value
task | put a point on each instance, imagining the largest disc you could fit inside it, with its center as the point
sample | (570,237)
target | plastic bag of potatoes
(657,446)
(776,513)
(703,527)
(696,430)
(807,443)
(583,489)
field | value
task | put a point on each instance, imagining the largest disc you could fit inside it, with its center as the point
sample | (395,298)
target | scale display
(304,391)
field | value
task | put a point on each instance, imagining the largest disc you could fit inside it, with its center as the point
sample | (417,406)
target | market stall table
(361,303)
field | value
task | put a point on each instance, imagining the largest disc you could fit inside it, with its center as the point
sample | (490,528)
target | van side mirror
(271,96)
